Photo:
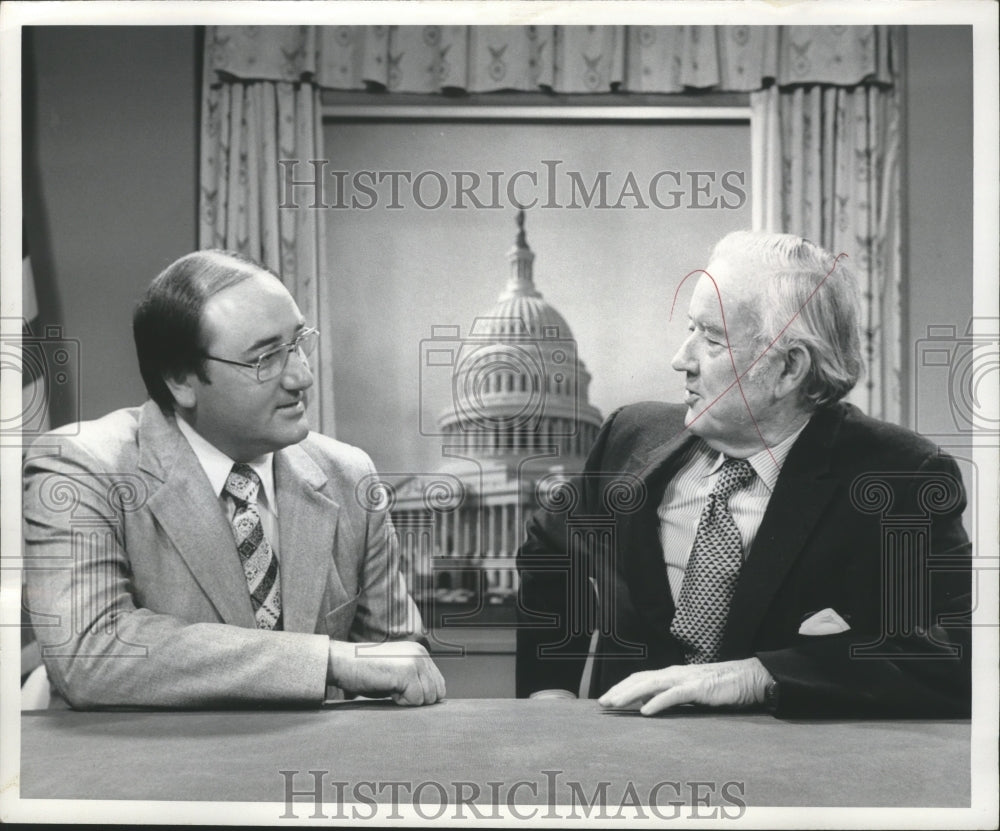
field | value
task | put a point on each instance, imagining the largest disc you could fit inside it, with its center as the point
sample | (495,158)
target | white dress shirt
(217,466)
(687,492)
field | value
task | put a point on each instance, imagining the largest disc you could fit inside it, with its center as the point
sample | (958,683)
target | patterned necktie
(712,570)
(259,563)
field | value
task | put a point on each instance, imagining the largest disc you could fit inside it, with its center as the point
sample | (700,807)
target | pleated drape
(247,128)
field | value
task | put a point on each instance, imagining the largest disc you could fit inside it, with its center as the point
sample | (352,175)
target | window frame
(541,107)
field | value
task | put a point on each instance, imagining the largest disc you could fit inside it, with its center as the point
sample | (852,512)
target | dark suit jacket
(865,518)
(136,591)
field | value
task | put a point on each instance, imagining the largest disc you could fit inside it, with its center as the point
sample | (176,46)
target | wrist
(772,689)
(759,681)
(771,693)
(341,655)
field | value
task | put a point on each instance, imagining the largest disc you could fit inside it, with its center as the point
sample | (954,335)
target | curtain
(830,161)
(563,59)
(826,132)
(247,127)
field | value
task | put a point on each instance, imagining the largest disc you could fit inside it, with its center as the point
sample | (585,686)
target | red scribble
(738,376)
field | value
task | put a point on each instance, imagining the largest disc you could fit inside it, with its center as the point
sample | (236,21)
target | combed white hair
(807,298)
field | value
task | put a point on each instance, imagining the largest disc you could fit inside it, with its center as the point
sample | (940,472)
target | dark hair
(166,324)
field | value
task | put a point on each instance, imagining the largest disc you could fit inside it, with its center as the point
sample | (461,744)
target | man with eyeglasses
(206,549)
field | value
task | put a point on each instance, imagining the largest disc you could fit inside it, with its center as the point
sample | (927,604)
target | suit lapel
(801,494)
(640,546)
(307,521)
(191,516)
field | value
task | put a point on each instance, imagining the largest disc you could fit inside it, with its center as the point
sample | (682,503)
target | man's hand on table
(401,670)
(728,683)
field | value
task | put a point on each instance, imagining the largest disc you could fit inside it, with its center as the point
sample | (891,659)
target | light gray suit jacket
(136,591)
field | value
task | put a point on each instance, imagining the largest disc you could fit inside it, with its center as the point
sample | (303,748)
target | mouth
(690,397)
(293,407)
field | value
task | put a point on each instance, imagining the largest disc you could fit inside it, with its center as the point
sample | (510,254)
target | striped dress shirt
(688,490)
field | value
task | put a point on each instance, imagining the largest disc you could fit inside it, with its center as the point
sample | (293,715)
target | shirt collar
(217,465)
(768,461)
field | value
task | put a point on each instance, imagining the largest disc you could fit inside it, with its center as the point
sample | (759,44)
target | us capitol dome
(518,422)
(518,384)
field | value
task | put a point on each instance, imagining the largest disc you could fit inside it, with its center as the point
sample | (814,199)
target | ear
(794,372)
(182,388)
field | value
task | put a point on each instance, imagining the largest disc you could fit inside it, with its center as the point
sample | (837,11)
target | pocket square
(826,622)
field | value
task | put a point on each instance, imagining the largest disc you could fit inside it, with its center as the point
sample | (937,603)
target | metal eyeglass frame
(304,344)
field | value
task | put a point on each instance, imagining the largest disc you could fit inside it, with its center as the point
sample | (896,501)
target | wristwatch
(771,696)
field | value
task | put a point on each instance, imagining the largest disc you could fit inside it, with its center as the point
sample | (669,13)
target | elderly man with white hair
(779,548)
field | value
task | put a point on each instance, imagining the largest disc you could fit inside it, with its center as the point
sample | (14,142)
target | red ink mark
(738,376)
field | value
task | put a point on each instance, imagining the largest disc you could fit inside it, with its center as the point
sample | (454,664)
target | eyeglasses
(273,362)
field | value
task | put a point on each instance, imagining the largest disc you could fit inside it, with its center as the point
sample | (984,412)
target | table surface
(237,755)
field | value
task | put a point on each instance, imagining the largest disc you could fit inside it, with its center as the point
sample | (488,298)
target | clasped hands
(727,683)
(401,670)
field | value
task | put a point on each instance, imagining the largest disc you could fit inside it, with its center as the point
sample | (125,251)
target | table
(712,758)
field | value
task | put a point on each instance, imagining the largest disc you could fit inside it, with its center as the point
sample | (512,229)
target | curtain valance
(564,59)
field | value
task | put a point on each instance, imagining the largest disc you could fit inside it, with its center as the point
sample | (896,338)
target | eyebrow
(711,328)
(274,340)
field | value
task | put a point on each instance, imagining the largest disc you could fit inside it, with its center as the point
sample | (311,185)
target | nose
(683,360)
(297,374)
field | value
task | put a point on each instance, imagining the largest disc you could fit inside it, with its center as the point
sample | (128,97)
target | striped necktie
(259,563)
(712,570)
